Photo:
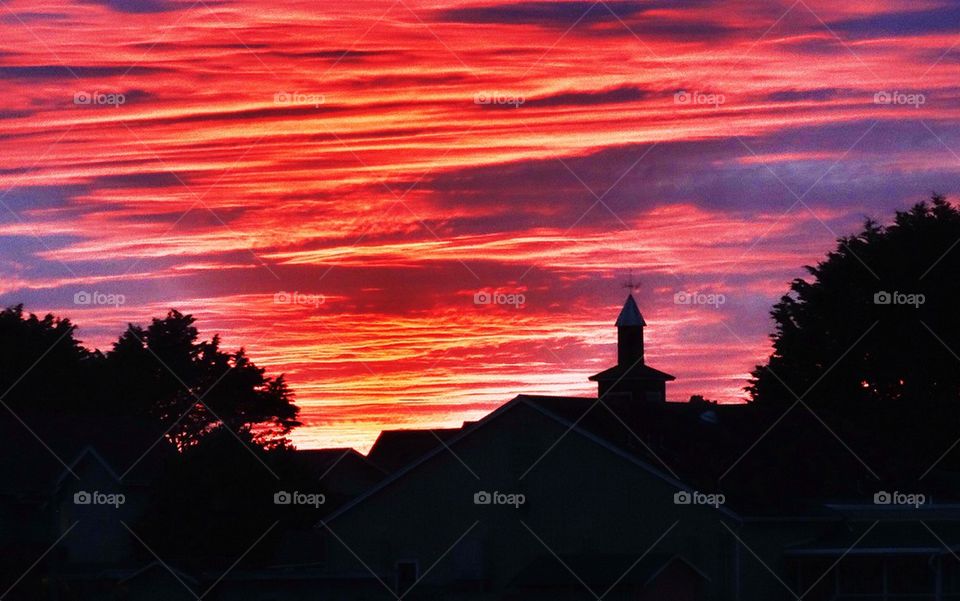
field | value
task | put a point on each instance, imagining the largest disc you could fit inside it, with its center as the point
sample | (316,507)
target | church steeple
(631,377)
(630,326)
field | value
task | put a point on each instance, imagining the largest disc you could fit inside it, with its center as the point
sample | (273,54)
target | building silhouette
(619,496)
(631,376)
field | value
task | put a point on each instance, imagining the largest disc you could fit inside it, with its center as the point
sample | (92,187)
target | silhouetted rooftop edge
(539,403)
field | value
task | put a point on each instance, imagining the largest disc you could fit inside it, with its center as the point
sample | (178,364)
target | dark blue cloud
(718,175)
(586,15)
(61,196)
(14,114)
(68,71)
(340,55)
(589,98)
(819,94)
(136,6)
(944,19)
(31,17)
(547,14)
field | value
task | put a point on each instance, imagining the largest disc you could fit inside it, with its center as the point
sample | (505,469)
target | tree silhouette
(877,327)
(42,364)
(163,372)
(193,387)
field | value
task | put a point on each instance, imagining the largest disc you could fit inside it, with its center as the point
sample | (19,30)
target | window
(407,573)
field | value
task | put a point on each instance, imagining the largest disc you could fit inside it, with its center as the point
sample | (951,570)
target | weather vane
(631,285)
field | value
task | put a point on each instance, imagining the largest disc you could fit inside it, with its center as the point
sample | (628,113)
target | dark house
(395,449)
(545,497)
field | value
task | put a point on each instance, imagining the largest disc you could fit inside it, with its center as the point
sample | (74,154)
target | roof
(569,413)
(36,448)
(597,571)
(635,372)
(630,314)
(320,462)
(394,449)
(902,537)
(768,464)
(765,463)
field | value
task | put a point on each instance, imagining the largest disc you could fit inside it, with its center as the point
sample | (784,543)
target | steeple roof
(630,314)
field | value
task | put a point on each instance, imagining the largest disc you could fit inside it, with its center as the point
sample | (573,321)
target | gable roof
(87,452)
(394,449)
(537,403)
(36,448)
(635,372)
(320,462)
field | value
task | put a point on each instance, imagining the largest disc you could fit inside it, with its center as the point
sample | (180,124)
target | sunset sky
(378,164)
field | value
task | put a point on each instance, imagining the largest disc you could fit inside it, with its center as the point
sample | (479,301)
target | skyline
(390,161)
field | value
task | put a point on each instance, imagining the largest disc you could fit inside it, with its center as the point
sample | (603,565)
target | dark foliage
(838,345)
(42,362)
(870,343)
(194,387)
(164,372)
